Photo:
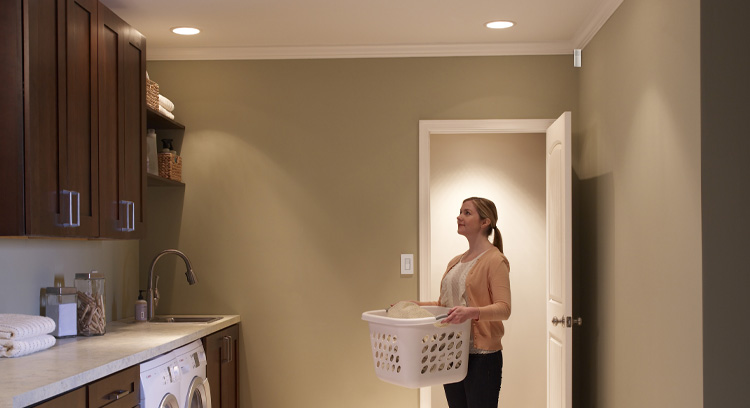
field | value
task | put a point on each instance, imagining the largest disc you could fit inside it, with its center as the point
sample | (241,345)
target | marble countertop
(74,362)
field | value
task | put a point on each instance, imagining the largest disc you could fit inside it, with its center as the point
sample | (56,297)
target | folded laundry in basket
(20,326)
(166,103)
(407,310)
(22,347)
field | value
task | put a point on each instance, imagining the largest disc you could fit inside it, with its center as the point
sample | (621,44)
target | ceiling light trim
(371,51)
(594,22)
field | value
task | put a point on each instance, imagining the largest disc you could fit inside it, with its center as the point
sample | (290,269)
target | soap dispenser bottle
(140,308)
(166,145)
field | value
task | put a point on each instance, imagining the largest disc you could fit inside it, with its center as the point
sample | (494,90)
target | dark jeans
(481,387)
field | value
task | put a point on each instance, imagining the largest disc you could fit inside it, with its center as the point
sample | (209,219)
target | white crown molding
(366,51)
(594,22)
(587,31)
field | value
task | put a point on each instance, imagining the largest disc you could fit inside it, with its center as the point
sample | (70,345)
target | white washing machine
(196,392)
(160,382)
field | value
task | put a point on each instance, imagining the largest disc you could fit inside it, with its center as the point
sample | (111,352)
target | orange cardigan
(488,288)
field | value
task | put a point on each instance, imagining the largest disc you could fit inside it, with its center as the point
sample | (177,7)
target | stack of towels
(24,334)
(166,107)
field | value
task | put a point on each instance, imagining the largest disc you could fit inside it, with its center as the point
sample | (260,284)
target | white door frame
(432,127)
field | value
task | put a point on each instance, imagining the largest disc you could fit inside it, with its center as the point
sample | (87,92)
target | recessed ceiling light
(499,24)
(186,30)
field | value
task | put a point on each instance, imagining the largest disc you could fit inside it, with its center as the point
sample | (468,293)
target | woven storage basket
(152,94)
(169,168)
(414,353)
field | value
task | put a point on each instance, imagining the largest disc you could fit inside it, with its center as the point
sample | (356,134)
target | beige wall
(637,154)
(509,169)
(301,192)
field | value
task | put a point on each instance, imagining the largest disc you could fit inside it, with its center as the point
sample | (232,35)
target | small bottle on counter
(61,307)
(92,319)
(140,308)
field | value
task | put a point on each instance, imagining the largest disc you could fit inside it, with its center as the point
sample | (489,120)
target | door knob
(567,321)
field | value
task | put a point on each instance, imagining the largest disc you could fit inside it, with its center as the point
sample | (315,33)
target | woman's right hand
(460,314)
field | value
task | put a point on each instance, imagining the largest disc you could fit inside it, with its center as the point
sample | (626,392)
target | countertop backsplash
(28,265)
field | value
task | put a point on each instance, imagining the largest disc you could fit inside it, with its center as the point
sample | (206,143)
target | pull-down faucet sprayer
(153,291)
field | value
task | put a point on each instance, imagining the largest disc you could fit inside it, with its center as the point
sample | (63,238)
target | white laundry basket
(415,353)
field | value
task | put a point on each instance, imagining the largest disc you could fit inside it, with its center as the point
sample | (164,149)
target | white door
(559,265)
(559,237)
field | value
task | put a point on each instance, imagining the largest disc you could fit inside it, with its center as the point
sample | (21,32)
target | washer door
(199,394)
(169,401)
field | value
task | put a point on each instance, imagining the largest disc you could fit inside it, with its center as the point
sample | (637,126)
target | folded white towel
(19,326)
(166,103)
(165,112)
(18,348)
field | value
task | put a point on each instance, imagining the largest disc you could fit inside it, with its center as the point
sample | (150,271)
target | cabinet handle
(132,216)
(129,215)
(69,222)
(227,345)
(115,395)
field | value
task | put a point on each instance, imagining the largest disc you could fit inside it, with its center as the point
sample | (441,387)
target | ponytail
(497,240)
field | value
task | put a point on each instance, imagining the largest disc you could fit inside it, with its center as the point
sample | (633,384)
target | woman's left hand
(460,314)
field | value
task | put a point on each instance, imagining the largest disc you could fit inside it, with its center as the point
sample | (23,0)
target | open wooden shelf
(158,121)
(156,181)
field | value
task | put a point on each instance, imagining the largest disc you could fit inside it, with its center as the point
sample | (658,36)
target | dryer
(195,390)
(160,382)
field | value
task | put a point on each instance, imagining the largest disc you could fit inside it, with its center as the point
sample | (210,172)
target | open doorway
(505,162)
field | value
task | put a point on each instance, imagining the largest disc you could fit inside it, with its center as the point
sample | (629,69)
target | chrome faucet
(153,292)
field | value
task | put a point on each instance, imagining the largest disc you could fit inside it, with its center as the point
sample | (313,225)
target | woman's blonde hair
(487,210)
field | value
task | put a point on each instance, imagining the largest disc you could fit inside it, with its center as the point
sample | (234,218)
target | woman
(476,286)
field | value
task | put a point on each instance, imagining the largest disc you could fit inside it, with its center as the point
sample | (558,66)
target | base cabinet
(119,390)
(75,398)
(222,368)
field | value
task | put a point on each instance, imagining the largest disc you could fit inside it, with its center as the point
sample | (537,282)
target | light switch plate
(407,264)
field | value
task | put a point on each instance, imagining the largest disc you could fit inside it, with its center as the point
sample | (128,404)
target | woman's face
(469,222)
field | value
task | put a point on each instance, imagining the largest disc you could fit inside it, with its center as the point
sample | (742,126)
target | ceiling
(281,29)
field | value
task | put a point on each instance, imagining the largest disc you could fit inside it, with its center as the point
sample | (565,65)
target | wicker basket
(169,168)
(152,94)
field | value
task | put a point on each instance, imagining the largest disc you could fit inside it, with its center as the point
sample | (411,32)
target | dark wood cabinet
(11,118)
(222,366)
(61,119)
(122,124)
(72,399)
(67,144)
(119,390)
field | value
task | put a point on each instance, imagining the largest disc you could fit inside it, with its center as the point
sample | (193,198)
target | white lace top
(453,291)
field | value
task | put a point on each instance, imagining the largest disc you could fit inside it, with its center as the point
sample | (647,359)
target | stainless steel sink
(185,319)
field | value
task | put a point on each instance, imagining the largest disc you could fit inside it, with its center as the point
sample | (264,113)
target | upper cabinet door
(81,152)
(122,125)
(134,72)
(61,119)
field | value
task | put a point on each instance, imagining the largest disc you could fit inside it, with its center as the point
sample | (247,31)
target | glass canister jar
(91,305)
(61,307)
